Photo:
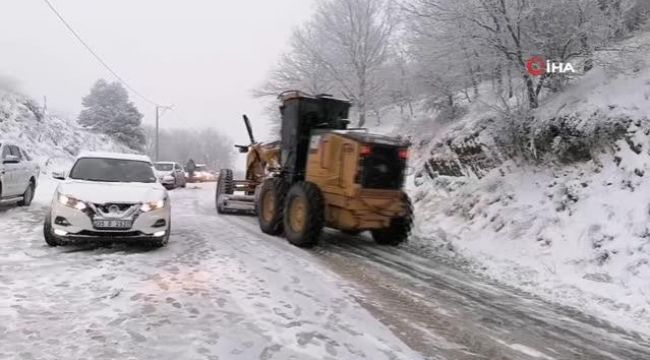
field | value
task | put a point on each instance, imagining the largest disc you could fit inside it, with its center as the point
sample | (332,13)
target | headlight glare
(151,206)
(69,201)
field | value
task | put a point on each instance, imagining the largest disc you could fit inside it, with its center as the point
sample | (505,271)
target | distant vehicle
(18,174)
(170,174)
(201,174)
(107,196)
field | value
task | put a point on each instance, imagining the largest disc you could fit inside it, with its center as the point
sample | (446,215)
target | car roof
(118,156)
(165,162)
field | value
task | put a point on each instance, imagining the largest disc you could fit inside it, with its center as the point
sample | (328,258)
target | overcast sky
(204,56)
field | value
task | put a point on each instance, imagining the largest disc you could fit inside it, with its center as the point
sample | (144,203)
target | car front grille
(120,207)
(115,210)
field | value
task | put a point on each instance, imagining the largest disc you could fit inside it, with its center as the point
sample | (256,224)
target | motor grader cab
(260,159)
(329,175)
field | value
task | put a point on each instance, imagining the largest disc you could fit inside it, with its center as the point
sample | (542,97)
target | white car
(170,174)
(18,174)
(106,196)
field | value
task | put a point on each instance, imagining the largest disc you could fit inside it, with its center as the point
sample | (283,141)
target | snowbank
(561,210)
(44,136)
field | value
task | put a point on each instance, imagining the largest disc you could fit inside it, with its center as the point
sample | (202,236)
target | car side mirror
(242,148)
(58,175)
(11,159)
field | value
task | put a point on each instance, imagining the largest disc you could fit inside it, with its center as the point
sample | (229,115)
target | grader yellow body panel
(335,165)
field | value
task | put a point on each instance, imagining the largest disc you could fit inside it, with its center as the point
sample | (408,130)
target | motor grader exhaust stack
(238,196)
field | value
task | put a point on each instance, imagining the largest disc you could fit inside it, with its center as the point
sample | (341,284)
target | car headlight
(69,201)
(168,178)
(151,206)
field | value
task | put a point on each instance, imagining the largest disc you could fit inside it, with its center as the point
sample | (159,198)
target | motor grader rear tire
(399,229)
(304,214)
(270,205)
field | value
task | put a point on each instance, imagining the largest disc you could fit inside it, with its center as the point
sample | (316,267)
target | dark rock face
(478,148)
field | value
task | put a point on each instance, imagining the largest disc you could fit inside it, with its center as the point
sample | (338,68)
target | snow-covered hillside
(558,203)
(46,136)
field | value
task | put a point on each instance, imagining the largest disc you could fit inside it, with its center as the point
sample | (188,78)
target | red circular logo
(536,66)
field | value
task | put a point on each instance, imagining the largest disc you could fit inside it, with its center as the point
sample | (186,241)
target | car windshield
(164,167)
(112,170)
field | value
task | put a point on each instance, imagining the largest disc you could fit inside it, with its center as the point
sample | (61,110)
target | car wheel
(50,238)
(163,241)
(28,195)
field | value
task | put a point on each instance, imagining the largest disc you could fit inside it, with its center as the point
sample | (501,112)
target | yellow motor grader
(322,174)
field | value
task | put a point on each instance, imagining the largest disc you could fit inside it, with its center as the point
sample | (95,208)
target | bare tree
(505,33)
(341,50)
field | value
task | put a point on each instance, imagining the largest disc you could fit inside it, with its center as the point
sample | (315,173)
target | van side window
(26,155)
(15,151)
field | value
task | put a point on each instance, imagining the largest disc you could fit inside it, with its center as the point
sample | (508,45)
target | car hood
(103,192)
(160,174)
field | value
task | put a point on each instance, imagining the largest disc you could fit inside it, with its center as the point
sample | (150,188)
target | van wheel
(270,205)
(50,238)
(28,195)
(399,229)
(304,214)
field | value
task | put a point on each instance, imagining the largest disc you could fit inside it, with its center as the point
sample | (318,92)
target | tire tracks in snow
(441,310)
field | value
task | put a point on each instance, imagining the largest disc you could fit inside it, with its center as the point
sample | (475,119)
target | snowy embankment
(568,220)
(44,136)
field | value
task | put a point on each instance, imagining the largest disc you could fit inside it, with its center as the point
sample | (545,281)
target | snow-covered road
(222,290)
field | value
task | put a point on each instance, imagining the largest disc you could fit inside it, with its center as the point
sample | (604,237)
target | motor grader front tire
(225,186)
(226,181)
(304,214)
(399,229)
(270,205)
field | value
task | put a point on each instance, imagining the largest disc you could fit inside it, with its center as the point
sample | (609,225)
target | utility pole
(158,116)
(157,137)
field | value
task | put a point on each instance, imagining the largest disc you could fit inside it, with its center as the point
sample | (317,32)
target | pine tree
(107,109)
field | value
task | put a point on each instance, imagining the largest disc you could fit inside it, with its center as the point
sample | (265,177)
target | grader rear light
(366,150)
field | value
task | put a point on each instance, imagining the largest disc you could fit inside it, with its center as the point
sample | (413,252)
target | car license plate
(112,224)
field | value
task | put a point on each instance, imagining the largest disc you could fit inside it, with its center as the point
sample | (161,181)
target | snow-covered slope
(558,204)
(46,136)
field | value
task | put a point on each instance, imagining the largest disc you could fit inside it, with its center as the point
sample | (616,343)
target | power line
(96,56)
